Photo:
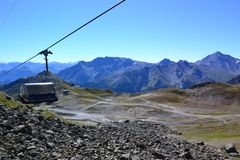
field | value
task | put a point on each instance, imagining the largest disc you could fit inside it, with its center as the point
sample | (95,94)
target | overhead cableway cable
(8,14)
(84,25)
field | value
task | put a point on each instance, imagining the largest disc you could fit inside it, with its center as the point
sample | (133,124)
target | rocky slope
(26,134)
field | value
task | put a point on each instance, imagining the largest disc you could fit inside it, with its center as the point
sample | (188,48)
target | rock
(86,136)
(201,143)
(234,154)
(135,158)
(50,145)
(31,147)
(186,150)
(4,122)
(77,157)
(2,149)
(79,143)
(34,140)
(125,157)
(186,155)
(22,129)
(6,125)
(20,148)
(158,155)
(33,153)
(21,154)
(49,131)
(142,146)
(57,155)
(230,148)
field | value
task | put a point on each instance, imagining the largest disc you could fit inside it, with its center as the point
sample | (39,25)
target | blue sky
(145,30)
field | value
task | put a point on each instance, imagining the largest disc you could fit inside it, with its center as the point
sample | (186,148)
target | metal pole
(46,59)
(45,53)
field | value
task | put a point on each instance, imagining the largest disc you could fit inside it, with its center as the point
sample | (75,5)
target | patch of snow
(238,61)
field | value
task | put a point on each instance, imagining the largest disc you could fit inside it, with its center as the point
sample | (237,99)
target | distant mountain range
(126,75)
(28,69)
(99,68)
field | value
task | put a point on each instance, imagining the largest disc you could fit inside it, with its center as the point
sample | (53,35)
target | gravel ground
(26,134)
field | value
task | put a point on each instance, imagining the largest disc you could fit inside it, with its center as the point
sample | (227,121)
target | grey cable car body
(38,92)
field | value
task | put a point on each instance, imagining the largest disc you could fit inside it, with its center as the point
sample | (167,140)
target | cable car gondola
(38,92)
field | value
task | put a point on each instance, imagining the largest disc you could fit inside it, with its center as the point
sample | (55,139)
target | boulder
(230,148)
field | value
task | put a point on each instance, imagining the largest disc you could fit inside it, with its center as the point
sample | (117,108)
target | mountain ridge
(221,61)
(126,75)
(85,72)
(216,67)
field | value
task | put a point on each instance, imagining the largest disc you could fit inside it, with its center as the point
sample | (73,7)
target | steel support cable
(8,14)
(86,24)
(65,37)
(4,73)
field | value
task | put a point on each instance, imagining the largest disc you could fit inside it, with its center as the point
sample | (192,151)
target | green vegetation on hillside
(90,93)
(233,91)
(213,132)
(175,91)
(168,95)
(166,98)
(214,94)
(8,101)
